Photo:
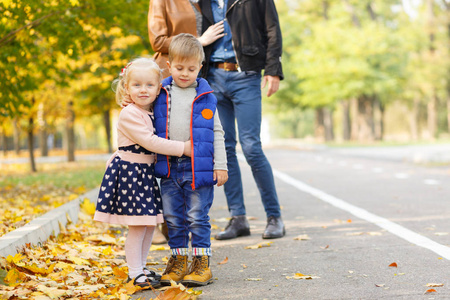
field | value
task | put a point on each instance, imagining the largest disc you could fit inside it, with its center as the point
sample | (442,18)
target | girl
(129,194)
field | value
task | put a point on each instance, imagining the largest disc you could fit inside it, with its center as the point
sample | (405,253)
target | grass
(25,196)
(60,175)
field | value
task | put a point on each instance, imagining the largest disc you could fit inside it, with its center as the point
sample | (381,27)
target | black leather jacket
(256,35)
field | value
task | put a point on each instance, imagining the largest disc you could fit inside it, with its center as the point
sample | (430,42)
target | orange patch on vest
(207,113)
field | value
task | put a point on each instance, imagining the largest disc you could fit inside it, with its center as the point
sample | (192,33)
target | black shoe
(152,275)
(238,226)
(147,284)
(274,229)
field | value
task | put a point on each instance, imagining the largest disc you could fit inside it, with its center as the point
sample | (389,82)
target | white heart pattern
(107,195)
(119,210)
(103,207)
(130,210)
(139,210)
(99,200)
(103,188)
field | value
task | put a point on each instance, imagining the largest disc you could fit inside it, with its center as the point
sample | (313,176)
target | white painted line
(401,175)
(431,182)
(377,170)
(392,227)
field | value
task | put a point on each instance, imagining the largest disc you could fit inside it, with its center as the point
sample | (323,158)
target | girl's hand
(126,100)
(187,148)
(213,33)
(221,176)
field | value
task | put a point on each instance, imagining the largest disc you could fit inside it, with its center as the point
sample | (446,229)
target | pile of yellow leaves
(21,204)
(84,262)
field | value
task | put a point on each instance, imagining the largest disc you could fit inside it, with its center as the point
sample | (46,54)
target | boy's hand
(187,148)
(126,100)
(221,176)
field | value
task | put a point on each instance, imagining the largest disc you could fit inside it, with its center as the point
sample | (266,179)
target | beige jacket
(166,19)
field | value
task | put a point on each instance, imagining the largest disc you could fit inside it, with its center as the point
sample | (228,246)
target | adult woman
(167,18)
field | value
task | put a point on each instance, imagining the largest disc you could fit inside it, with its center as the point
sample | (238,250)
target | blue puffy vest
(202,133)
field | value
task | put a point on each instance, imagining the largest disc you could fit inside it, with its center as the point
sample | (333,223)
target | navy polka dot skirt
(129,194)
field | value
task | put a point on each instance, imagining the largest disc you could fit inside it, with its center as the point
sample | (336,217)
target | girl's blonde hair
(118,84)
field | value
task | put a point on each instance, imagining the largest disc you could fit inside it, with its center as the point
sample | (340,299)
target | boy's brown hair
(185,46)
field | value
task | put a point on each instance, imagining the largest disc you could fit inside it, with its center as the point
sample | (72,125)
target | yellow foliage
(88,207)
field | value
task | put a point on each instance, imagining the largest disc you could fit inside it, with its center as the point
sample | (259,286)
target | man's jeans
(239,98)
(186,210)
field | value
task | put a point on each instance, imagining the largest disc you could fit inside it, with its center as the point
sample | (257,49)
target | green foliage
(47,41)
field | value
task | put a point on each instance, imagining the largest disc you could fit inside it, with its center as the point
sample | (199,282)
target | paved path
(360,211)
(360,214)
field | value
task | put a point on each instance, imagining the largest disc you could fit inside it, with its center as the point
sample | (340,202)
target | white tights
(137,245)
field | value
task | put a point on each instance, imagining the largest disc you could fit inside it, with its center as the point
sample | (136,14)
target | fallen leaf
(301,276)
(430,291)
(223,261)
(260,245)
(253,279)
(394,265)
(300,237)
(379,285)
(435,284)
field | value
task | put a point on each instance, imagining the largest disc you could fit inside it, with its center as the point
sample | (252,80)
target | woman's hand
(212,34)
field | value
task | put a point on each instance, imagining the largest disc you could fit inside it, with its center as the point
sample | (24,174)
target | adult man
(252,42)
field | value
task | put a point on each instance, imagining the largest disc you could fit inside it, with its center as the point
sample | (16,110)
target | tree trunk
(354,130)
(328,124)
(379,116)
(43,130)
(16,136)
(432,116)
(414,120)
(5,144)
(31,140)
(43,142)
(70,132)
(365,117)
(448,113)
(107,122)
(319,130)
(346,121)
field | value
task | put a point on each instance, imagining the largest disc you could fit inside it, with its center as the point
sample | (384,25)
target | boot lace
(198,266)
(175,266)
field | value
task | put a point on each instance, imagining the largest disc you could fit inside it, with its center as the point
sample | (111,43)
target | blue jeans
(186,210)
(239,99)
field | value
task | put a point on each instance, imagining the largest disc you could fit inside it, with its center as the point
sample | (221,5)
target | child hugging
(129,194)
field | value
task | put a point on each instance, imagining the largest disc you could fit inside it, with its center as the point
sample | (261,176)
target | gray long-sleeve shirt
(180,117)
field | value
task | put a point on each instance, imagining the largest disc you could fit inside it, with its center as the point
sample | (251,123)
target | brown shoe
(176,269)
(199,272)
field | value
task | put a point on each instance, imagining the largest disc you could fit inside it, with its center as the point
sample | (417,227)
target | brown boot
(176,269)
(199,272)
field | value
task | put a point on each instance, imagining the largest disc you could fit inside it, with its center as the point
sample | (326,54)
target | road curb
(40,229)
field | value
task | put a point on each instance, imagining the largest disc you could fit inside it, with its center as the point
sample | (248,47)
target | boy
(186,110)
